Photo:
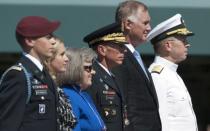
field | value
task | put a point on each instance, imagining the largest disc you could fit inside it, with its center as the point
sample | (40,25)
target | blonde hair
(47,63)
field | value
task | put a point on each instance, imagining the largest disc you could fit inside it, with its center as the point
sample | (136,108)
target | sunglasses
(88,68)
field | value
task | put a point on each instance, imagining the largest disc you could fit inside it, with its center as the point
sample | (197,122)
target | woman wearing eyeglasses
(75,81)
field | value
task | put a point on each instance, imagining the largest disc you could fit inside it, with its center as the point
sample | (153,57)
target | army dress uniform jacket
(39,114)
(176,111)
(107,98)
(140,95)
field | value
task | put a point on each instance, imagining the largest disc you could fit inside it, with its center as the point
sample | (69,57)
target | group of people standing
(105,87)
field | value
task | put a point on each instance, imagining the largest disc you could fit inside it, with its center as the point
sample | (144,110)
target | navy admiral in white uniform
(169,40)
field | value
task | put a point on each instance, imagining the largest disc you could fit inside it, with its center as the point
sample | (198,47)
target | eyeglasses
(88,68)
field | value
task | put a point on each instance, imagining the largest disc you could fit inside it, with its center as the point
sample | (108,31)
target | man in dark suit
(107,95)
(132,75)
(28,95)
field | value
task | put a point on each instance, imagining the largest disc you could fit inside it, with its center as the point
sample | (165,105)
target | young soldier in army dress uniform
(107,95)
(28,95)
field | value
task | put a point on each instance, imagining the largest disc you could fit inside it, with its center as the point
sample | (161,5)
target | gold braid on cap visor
(182,31)
(117,37)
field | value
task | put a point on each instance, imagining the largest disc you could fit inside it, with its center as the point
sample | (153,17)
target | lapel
(102,74)
(35,72)
(32,68)
(153,91)
(133,60)
(149,82)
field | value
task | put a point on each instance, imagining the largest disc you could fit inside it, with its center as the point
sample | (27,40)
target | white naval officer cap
(172,26)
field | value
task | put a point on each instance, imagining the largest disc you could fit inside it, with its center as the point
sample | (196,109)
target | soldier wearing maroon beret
(28,95)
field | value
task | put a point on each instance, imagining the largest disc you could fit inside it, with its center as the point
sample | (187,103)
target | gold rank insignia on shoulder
(16,68)
(157,69)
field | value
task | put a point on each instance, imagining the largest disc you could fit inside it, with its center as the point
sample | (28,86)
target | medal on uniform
(126,121)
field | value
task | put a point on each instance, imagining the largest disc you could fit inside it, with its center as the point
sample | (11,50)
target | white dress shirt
(175,106)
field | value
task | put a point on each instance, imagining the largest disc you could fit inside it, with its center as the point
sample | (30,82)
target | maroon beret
(36,26)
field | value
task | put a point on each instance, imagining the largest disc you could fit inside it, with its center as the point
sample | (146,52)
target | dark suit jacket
(40,113)
(140,95)
(107,98)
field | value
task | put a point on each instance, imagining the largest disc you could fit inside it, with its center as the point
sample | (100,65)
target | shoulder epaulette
(18,68)
(157,69)
(14,67)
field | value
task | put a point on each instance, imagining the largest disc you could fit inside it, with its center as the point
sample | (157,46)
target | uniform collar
(34,60)
(166,62)
(107,71)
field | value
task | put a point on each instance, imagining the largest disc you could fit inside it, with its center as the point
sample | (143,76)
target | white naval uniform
(175,106)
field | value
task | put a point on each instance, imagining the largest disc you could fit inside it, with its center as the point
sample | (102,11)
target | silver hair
(128,10)
(75,69)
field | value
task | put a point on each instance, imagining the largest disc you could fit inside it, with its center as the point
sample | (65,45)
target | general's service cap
(110,33)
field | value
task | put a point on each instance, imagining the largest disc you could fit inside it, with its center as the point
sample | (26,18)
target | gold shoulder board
(157,69)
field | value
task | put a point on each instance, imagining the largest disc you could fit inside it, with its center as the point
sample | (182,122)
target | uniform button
(42,97)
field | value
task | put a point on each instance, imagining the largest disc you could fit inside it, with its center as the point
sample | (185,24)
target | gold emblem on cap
(117,37)
(182,31)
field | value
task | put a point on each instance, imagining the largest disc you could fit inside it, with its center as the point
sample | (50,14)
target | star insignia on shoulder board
(157,69)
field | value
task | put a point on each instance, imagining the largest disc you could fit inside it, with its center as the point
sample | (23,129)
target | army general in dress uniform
(108,42)
(27,93)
